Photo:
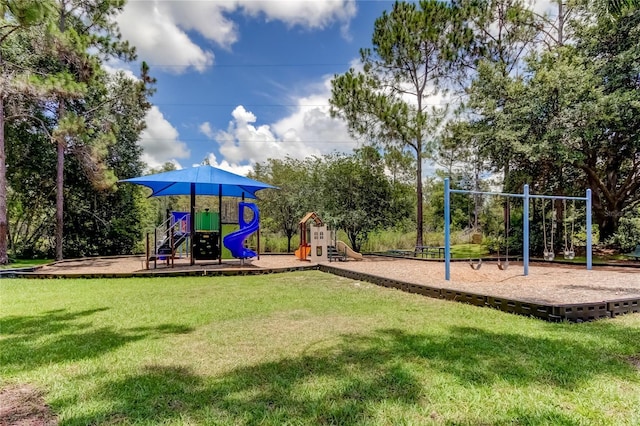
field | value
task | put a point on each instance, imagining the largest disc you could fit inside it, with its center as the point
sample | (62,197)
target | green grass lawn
(469,251)
(25,263)
(305,348)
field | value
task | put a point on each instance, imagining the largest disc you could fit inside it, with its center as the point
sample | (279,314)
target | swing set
(548,254)
(569,251)
(502,265)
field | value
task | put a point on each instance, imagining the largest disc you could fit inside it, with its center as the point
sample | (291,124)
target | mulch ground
(23,405)
(548,283)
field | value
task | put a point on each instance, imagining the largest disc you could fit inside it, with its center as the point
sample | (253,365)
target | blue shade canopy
(208,180)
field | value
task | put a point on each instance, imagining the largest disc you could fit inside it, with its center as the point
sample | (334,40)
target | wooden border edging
(161,273)
(578,312)
(575,312)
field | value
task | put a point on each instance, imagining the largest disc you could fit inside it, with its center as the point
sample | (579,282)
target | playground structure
(318,243)
(235,240)
(214,237)
(198,180)
(526,196)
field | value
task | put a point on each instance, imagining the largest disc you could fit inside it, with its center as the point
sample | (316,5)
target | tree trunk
(60,147)
(607,216)
(419,218)
(59,198)
(607,205)
(607,225)
(560,23)
(353,237)
(4,258)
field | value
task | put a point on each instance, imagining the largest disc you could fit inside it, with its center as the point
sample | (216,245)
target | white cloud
(205,129)
(225,165)
(310,14)
(160,141)
(152,28)
(308,130)
(542,7)
(115,67)
(158,28)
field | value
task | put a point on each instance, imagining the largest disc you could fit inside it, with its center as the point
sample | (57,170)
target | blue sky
(241,81)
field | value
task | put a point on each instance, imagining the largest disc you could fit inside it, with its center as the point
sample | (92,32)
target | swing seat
(548,255)
(475,266)
(503,265)
(569,254)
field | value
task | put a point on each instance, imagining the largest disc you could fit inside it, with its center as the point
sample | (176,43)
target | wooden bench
(634,254)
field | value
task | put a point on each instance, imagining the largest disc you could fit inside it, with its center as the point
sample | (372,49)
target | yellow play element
(344,248)
(303,252)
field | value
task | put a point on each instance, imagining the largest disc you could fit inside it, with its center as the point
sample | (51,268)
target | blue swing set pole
(527,196)
(525,231)
(447,230)
(589,242)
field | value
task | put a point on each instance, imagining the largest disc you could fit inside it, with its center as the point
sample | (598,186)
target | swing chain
(569,252)
(548,253)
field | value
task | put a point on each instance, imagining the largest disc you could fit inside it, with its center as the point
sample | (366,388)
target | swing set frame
(525,222)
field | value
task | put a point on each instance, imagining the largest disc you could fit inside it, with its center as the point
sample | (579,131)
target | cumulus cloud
(205,129)
(152,27)
(308,130)
(311,124)
(160,141)
(309,14)
(159,29)
(116,67)
(225,165)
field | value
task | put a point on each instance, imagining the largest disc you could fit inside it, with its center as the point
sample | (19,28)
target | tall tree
(356,194)
(16,18)
(574,115)
(87,34)
(610,140)
(388,102)
(107,219)
(504,31)
(285,206)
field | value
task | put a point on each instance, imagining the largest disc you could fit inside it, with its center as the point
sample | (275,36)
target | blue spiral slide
(235,240)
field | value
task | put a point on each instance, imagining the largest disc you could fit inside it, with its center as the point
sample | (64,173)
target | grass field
(305,348)
(25,263)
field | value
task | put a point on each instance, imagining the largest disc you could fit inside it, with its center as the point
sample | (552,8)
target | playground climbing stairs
(335,255)
(169,236)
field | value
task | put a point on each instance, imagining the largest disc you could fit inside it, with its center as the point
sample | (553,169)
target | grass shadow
(60,336)
(350,382)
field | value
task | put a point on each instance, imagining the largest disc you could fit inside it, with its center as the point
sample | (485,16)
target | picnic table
(426,251)
(400,252)
(635,254)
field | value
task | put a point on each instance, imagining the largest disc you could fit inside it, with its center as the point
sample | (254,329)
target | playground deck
(550,291)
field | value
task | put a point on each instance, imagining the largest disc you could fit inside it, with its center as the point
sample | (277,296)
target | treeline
(492,88)
(69,130)
(489,90)
(354,193)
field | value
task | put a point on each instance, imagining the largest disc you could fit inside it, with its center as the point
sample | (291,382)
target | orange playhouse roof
(311,215)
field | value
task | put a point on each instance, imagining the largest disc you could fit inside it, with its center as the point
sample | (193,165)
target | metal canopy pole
(220,225)
(447,231)
(192,222)
(525,230)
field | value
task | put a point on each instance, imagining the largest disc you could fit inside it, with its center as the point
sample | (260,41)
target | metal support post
(447,231)
(525,231)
